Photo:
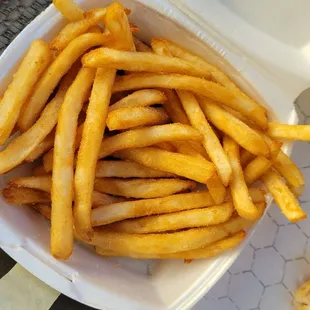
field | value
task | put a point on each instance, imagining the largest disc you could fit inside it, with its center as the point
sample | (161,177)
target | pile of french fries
(123,136)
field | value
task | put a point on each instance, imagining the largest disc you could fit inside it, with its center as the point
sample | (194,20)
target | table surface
(265,275)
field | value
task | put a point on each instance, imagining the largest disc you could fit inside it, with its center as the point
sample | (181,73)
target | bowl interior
(125,283)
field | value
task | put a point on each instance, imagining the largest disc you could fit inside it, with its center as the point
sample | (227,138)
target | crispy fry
(48,158)
(287,168)
(289,132)
(69,9)
(141,46)
(126,118)
(62,184)
(141,137)
(248,138)
(297,191)
(53,74)
(38,171)
(42,147)
(93,131)
(166,146)
(245,157)
(302,297)
(140,98)
(140,62)
(43,209)
(239,190)
(126,169)
(215,249)
(43,182)
(197,85)
(284,198)
(217,189)
(257,195)
(193,168)
(140,188)
(183,240)
(219,77)
(210,141)
(175,221)
(22,146)
(37,58)
(22,195)
(255,169)
(137,208)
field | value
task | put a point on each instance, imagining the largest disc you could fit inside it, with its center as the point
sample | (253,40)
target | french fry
(43,182)
(184,240)
(196,85)
(140,62)
(126,118)
(166,146)
(289,132)
(297,191)
(22,146)
(215,249)
(283,197)
(42,147)
(217,189)
(53,74)
(193,168)
(130,209)
(245,157)
(141,137)
(255,169)
(93,131)
(239,190)
(126,169)
(245,136)
(302,297)
(140,188)
(140,98)
(210,141)
(21,195)
(69,9)
(176,221)
(37,58)
(38,171)
(287,168)
(43,209)
(63,175)
(141,47)
(219,77)
(257,195)
(48,158)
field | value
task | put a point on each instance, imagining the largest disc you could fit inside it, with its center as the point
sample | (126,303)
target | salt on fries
(178,170)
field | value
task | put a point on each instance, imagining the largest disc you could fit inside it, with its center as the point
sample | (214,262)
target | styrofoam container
(123,283)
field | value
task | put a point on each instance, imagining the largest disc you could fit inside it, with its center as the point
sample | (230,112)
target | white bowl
(123,283)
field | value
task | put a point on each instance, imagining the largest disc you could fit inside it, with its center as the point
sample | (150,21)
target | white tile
(276,297)
(306,194)
(268,266)
(244,261)
(290,242)
(296,273)
(276,214)
(245,290)
(220,289)
(307,251)
(298,154)
(304,225)
(202,304)
(265,234)
(219,304)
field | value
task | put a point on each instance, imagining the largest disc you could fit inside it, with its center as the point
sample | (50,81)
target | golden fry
(43,209)
(257,195)
(255,169)
(289,132)
(20,195)
(193,168)
(141,47)
(140,188)
(140,98)
(69,9)
(137,208)
(43,182)
(212,250)
(248,138)
(93,131)
(239,190)
(37,58)
(283,197)
(63,174)
(176,221)
(245,157)
(126,118)
(184,240)
(141,137)
(53,74)
(38,171)
(217,189)
(168,146)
